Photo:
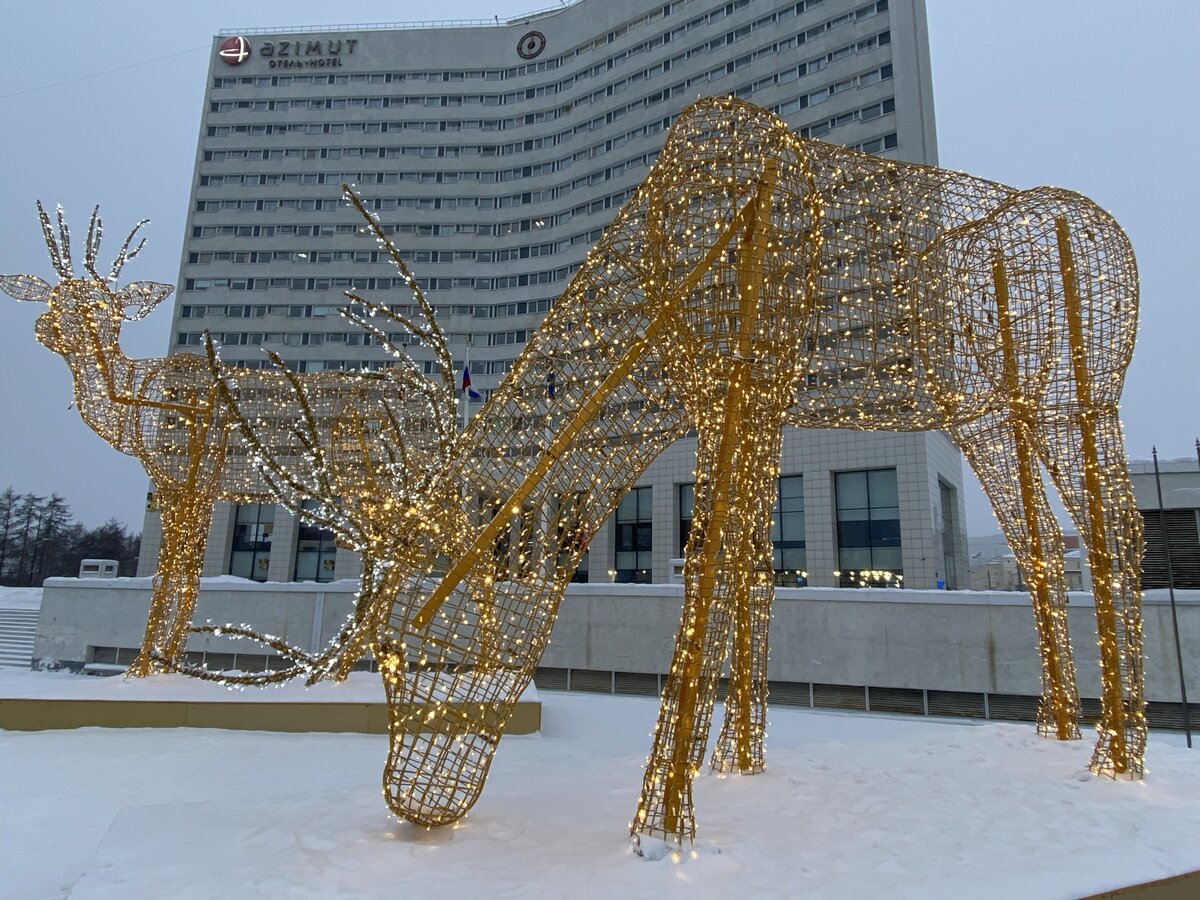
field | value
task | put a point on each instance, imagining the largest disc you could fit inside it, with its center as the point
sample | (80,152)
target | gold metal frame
(754,280)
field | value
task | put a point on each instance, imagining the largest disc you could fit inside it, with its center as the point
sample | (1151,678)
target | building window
(635,532)
(868,529)
(316,550)
(253,524)
(949,499)
(687,506)
(787,533)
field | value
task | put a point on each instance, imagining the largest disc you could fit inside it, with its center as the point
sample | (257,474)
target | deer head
(86,309)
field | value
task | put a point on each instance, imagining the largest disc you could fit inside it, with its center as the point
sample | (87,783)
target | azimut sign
(293,53)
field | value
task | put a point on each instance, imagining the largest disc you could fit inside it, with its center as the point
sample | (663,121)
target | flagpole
(1162,524)
(464,398)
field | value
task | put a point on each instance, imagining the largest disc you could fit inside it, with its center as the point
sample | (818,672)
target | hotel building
(495,153)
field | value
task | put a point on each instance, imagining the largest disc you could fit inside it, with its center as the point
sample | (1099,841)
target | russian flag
(471,393)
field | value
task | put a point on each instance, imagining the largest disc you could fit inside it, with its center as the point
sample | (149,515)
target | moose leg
(739,746)
(186,516)
(737,467)
(1001,455)
(1089,468)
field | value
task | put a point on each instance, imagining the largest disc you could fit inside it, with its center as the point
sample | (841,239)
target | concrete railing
(964,641)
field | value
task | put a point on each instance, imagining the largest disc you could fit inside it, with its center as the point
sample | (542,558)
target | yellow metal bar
(679,776)
(587,412)
(741,672)
(749,271)
(1028,478)
(750,280)
(1101,559)
(101,360)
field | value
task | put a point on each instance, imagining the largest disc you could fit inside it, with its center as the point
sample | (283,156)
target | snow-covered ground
(851,806)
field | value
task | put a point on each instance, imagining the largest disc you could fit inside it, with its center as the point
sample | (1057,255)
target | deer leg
(1089,467)
(739,746)
(1001,455)
(186,517)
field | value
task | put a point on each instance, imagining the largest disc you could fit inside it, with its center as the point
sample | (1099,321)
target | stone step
(18,630)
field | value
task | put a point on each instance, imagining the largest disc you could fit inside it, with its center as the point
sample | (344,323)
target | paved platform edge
(37,714)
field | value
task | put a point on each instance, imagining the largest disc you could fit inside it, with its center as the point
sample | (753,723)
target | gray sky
(1094,96)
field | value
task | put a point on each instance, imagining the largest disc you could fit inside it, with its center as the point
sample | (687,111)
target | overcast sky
(1095,96)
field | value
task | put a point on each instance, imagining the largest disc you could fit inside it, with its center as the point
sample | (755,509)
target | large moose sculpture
(755,280)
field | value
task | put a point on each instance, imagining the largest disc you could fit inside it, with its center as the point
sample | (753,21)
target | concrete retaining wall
(934,640)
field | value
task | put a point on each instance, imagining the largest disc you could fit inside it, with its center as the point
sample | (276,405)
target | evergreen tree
(8,509)
(49,548)
(39,539)
(29,521)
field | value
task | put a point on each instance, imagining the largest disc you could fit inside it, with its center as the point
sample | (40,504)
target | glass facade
(790,560)
(949,499)
(868,529)
(635,537)
(252,527)
(316,551)
(571,511)
(687,502)
(789,555)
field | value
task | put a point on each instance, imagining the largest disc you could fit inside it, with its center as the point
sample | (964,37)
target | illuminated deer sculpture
(757,280)
(166,413)
(160,410)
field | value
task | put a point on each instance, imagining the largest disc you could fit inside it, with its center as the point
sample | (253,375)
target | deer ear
(25,287)
(143,296)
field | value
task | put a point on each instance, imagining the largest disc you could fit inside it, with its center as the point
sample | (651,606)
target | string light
(754,280)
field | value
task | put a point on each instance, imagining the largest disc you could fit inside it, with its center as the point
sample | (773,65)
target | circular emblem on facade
(234,51)
(531,44)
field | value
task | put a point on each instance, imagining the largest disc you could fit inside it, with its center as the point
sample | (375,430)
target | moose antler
(441,399)
(369,449)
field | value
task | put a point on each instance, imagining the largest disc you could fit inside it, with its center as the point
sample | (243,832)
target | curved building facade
(495,154)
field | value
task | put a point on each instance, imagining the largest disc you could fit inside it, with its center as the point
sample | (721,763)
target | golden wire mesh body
(754,280)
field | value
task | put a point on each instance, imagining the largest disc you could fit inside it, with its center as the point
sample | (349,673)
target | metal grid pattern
(754,280)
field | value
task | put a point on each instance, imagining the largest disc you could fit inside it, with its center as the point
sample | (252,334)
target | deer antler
(60,256)
(60,246)
(125,254)
(91,245)
(369,447)
(330,432)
